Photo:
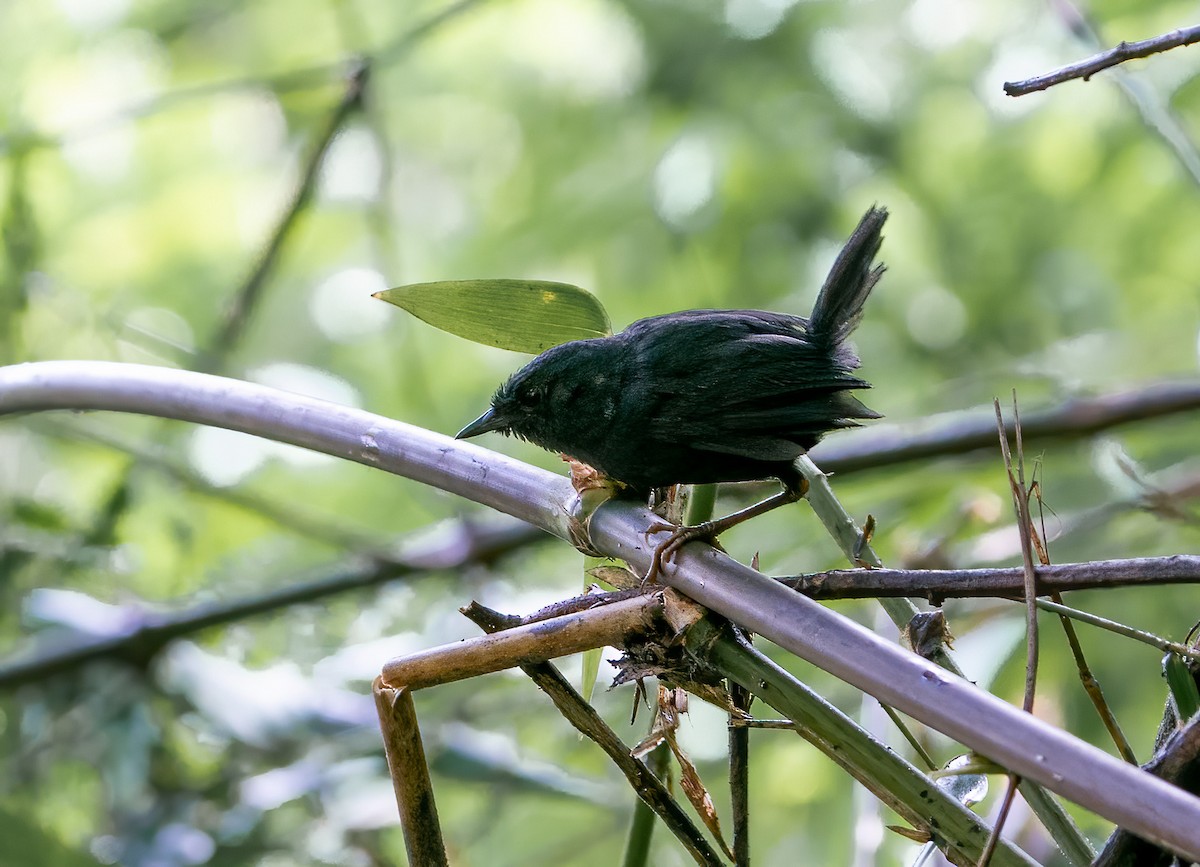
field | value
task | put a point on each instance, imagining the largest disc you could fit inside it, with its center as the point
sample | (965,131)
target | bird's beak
(489,421)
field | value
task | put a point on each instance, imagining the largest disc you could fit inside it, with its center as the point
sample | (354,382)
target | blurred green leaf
(22,842)
(522,315)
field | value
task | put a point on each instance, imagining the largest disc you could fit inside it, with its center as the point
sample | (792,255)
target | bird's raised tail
(839,307)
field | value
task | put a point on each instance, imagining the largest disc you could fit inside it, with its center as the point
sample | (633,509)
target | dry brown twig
(1020,498)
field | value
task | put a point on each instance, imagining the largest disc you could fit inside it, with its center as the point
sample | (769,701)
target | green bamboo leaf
(1182,685)
(522,315)
(591,671)
(591,658)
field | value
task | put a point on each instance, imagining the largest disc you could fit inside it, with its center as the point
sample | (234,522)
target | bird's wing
(742,382)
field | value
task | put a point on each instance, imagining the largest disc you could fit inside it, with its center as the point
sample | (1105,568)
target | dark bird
(702,396)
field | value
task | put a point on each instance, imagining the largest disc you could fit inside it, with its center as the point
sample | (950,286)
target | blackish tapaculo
(701,395)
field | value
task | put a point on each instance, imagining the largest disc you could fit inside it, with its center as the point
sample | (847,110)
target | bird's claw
(680,536)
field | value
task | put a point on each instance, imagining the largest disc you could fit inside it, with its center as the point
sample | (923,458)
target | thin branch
(380,213)
(408,40)
(939,584)
(1165,494)
(301,79)
(888,445)
(1155,641)
(1155,111)
(917,747)
(1091,684)
(149,632)
(1020,496)
(1085,69)
(1010,794)
(324,528)
(241,309)
(1014,578)
(1020,500)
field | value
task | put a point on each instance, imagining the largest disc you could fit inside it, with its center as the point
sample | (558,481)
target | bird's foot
(680,536)
(710,530)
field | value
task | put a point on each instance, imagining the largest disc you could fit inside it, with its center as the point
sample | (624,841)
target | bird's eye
(530,397)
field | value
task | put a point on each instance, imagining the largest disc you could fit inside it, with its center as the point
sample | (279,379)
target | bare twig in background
(244,303)
(321,527)
(1021,505)
(380,212)
(1091,684)
(146,635)
(473,544)
(304,78)
(215,356)
(938,584)
(23,245)
(885,445)
(1155,110)
(1124,51)
(1020,498)
(239,313)
(1167,494)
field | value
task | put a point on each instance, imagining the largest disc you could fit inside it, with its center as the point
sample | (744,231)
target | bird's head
(543,400)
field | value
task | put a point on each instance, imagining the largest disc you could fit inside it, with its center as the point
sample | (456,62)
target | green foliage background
(665,155)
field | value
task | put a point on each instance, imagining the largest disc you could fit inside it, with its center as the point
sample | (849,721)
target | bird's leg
(710,530)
